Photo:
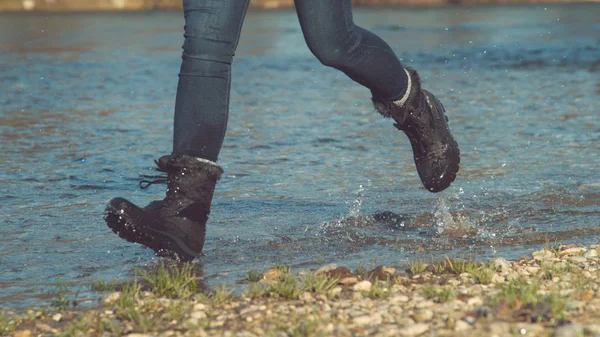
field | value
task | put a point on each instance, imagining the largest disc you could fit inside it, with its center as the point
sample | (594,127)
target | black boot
(423,119)
(175,226)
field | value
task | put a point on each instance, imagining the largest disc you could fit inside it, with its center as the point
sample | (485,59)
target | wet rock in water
(381,273)
(414,330)
(272,274)
(339,273)
(569,330)
(362,286)
(326,269)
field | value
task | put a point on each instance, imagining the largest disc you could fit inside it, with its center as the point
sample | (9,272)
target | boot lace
(157,179)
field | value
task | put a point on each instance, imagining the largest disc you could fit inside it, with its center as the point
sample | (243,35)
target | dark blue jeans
(212,31)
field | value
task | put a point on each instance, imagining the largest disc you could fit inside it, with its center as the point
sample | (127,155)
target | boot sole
(164,244)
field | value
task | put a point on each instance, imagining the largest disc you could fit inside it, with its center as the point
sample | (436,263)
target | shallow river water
(312,174)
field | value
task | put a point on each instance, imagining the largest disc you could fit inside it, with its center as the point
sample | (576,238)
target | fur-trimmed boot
(423,119)
(175,226)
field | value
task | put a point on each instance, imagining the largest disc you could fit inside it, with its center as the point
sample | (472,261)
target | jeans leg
(337,42)
(212,31)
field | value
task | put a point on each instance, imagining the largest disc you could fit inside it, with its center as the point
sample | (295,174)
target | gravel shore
(552,292)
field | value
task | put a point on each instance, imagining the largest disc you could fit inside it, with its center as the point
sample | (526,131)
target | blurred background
(87,5)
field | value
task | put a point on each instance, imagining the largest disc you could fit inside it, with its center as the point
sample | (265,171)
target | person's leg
(176,225)
(212,31)
(336,41)
(332,36)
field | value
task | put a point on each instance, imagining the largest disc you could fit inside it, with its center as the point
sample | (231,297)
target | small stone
(569,330)
(591,253)
(399,299)
(57,317)
(46,328)
(199,307)
(475,301)
(574,305)
(306,296)
(198,315)
(112,298)
(109,312)
(461,325)
(335,292)
(22,333)
(498,279)
(380,273)
(500,329)
(573,251)
(501,264)
(272,274)
(532,269)
(541,255)
(362,286)
(326,269)
(374,319)
(348,281)
(577,259)
(424,315)
(414,330)
(137,335)
(424,304)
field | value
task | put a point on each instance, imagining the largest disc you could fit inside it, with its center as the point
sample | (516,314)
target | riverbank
(147,5)
(552,292)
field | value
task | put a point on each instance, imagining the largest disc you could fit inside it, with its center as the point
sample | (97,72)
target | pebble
(22,333)
(573,251)
(112,298)
(347,281)
(362,286)
(569,330)
(475,301)
(591,253)
(399,299)
(577,259)
(57,317)
(414,330)
(461,325)
(374,319)
(501,264)
(422,315)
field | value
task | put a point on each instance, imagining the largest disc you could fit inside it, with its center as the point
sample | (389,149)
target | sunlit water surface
(312,174)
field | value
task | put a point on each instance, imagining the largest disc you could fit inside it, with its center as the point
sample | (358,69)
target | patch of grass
(416,267)
(254,275)
(554,247)
(518,291)
(378,291)
(463,265)
(7,325)
(104,286)
(172,280)
(221,295)
(439,267)
(317,284)
(440,294)
(483,274)
(360,269)
(255,290)
(128,296)
(76,328)
(286,287)
(305,328)
(60,299)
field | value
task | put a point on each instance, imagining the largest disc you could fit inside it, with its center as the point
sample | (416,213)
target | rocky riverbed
(552,292)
